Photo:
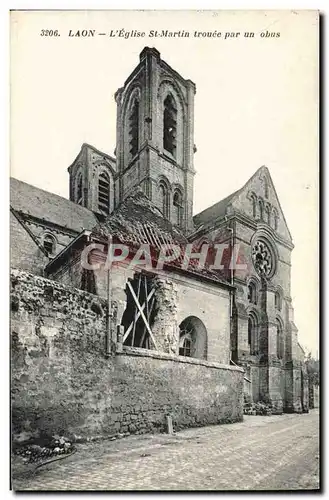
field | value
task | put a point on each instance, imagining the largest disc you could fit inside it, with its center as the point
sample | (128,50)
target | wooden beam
(138,315)
(146,302)
(143,336)
(136,311)
(143,315)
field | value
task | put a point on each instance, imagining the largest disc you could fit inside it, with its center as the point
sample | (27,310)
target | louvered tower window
(133,128)
(169,125)
(104,193)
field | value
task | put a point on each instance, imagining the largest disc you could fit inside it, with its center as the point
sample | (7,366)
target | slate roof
(215,211)
(51,207)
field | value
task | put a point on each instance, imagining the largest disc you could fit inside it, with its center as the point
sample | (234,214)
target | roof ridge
(51,193)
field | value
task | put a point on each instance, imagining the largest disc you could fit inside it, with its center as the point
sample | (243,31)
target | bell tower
(155,145)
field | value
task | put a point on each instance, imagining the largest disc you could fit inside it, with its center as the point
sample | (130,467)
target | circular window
(263,259)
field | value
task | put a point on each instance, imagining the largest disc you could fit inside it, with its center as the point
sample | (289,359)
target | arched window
(261,209)
(104,193)
(276,219)
(193,338)
(170,125)
(148,188)
(79,197)
(252,293)
(268,214)
(278,301)
(178,208)
(134,128)
(253,334)
(279,339)
(254,205)
(49,244)
(164,199)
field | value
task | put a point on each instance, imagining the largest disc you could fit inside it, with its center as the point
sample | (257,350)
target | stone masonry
(62,382)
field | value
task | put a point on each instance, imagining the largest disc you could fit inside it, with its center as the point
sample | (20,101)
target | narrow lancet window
(134,128)
(104,193)
(170,125)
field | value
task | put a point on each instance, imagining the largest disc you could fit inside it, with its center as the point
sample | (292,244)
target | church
(238,320)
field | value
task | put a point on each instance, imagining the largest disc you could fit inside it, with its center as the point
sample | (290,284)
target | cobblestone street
(277,452)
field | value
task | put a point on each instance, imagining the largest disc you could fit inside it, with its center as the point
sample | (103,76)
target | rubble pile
(45,449)
(259,408)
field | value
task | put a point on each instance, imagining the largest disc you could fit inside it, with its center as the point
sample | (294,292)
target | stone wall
(62,381)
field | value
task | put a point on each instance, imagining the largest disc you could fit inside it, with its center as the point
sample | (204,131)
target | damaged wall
(179,296)
(166,326)
(62,382)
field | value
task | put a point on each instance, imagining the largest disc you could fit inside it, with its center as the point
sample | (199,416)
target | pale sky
(256,104)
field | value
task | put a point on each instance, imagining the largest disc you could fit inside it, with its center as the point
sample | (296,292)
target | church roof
(136,221)
(49,207)
(215,211)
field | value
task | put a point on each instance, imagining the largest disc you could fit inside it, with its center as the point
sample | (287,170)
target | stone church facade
(240,317)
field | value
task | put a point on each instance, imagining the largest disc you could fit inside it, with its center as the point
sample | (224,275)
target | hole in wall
(96,308)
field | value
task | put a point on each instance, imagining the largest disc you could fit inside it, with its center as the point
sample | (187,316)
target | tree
(313,369)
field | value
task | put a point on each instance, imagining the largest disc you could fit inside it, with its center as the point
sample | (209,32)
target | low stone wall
(63,383)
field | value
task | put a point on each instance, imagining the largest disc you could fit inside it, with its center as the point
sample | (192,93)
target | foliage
(313,369)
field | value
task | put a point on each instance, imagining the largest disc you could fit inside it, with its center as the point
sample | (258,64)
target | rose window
(262,258)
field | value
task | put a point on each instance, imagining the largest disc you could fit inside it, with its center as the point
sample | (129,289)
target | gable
(257,194)
(24,251)
(91,157)
(96,157)
(258,200)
